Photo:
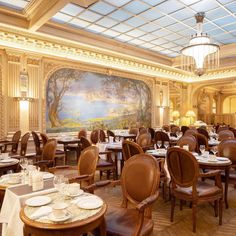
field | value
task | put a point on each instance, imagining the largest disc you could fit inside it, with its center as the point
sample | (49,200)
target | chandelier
(200,54)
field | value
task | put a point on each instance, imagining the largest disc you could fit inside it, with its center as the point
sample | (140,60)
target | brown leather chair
(227,148)
(143,130)
(166,128)
(134,131)
(201,140)
(48,155)
(163,137)
(44,138)
(190,132)
(36,139)
(221,128)
(189,140)
(14,143)
(139,170)
(152,133)
(233,130)
(225,134)
(111,134)
(186,183)
(204,132)
(97,135)
(24,143)
(144,140)
(129,149)
(184,129)
(107,165)
(174,129)
(82,133)
(84,172)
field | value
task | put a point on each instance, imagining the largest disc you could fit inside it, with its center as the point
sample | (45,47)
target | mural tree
(59,82)
(137,90)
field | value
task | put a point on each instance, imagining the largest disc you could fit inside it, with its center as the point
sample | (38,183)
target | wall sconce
(24,88)
(190,114)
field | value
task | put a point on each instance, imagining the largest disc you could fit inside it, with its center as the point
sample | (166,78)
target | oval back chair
(82,133)
(24,143)
(129,149)
(189,140)
(204,132)
(36,143)
(225,134)
(97,135)
(144,140)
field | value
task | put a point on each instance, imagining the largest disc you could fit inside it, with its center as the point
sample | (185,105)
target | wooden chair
(184,129)
(225,134)
(134,131)
(166,128)
(14,143)
(143,130)
(152,133)
(129,149)
(190,132)
(48,155)
(163,137)
(84,172)
(186,183)
(204,132)
(227,148)
(201,140)
(82,133)
(144,140)
(36,139)
(24,143)
(97,135)
(139,170)
(111,134)
(221,128)
(44,138)
(107,165)
(189,140)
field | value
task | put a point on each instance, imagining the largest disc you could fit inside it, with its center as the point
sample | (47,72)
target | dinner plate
(38,201)
(222,158)
(61,219)
(47,175)
(212,160)
(7,160)
(75,195)
(90,202)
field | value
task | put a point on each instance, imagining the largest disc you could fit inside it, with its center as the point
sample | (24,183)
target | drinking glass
(57,181)
(159,143)
(23,163)
(166,144)
(214,149)
(202,148)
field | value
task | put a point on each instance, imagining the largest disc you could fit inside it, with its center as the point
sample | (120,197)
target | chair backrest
(111,134)
(97,135)
(140,178)
(129,149)
(174,129)
(49,150)
(44,138)
(225,134)
(221,128)
(87,163)
(144,140)
(184,129)
(204,132)
(134,131)
(152,132)
(166,128)
(143,130)
(16,139)
(36,143)
(227,148)
(24,143)
(161,136)
(84,142)
(82,133)
(183,167)
(189,140)
(233,130)
(190,132)
(201,140)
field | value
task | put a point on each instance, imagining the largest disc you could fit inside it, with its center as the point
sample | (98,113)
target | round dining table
(78,227)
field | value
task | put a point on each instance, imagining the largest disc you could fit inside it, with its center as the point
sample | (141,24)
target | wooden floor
(207,224)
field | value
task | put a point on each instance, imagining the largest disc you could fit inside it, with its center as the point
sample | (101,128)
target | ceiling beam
(39,12)
(84,3)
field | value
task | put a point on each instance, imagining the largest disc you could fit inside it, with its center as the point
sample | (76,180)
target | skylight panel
(151,14)
(96,28)
(89,16)
(79,23)
(204,5)
(170,6)
(72,9)
(225,21)
(61,17)
(136,33)
(122,28)
(107,22)
(149,27)
(102,8)
(16,4)
(120,15)
(135,21)
(124,37)
(136,7)
(111,33)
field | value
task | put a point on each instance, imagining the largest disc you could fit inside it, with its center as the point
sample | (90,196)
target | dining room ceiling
(162,26)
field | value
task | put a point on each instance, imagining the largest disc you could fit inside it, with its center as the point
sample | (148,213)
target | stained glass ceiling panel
(163,26)
(16,4)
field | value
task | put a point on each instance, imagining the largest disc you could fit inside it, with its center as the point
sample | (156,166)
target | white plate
(38,201)
(222,158)
(212,160)
(76,195)
(90,202)
(7,160)
(47,175)
(61,219)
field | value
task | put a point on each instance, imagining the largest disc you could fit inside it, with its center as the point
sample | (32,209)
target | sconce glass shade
(175,114)
(190,113)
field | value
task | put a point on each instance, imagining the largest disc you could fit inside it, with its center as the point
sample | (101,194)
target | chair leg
(100,174)
(194,213)
(181,205)
(164,187)
(220,210)
(216,207)
(172,208)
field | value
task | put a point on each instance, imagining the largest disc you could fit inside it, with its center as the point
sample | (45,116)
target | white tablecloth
(12,204)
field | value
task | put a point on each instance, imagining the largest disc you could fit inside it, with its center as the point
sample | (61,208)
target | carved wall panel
(34,115)
(13,114)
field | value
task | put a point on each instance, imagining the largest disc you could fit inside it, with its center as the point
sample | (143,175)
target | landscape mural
(77,99)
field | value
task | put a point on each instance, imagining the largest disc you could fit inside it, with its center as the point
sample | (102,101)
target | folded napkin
(42,211)
(84,196)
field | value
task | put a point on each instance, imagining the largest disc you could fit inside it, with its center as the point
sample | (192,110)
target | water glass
(23,163)
(202,149)
(166,144)
(159,144)
(214,149)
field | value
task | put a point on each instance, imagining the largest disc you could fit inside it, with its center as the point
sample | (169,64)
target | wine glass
(23,163)
(166,144)
(202,149)
(57,181)
(159,144)
(214,149)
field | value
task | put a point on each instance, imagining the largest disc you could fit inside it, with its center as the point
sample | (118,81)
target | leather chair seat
(203,189)
(59,152)
(122,221)
(103,163)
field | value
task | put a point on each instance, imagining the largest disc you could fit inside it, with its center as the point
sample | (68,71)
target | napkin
(84,196)
(42,211)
